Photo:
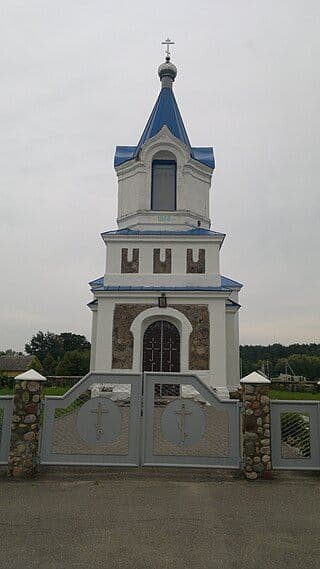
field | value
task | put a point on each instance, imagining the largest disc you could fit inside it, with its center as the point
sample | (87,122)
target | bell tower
(163,180)
(162,284)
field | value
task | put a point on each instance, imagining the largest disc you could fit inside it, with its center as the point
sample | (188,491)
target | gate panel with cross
(191,428)
(80,428)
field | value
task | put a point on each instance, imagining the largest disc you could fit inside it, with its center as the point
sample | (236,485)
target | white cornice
(162,238)
(154,294)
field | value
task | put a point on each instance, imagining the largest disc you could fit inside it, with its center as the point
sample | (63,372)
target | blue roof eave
(115,288)
(204,155)
(98,285)
(196,231)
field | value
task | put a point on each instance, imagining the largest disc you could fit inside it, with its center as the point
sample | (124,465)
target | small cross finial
(167,42)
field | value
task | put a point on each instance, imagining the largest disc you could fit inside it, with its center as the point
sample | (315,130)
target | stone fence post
(24,446)
(256,426)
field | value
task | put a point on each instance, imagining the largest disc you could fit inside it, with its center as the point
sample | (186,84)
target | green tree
(43,343)
(70,342)
(36,365)
(54,346)
(308,366)
(49,364)
(75,362)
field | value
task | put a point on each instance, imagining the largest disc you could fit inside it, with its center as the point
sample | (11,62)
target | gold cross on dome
(167,42)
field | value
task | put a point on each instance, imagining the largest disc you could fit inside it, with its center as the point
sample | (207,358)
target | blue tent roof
(165,112)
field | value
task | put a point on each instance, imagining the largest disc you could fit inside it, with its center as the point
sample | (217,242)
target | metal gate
(6,407)
(191,428)
(80,428)
(295,434)
(178,421)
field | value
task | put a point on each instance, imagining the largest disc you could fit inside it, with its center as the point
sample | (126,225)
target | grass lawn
(294,395)
(47,390)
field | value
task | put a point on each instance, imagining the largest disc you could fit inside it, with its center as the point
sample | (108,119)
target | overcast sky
(79,77)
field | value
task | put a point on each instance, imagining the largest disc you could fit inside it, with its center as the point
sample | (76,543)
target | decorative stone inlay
(25,426)
(196,266)
(122,340)
(129,266)
(256,432)
(161,266)
(199,342)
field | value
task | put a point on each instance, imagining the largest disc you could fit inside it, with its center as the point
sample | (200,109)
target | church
(162,304)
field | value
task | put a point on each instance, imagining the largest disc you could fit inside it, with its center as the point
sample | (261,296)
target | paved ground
(150,520)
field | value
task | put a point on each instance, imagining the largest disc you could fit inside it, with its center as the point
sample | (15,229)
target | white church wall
(232,342)
(178,220)
(216,374)
(178,275)
(194,192)
(93,350)
(132,191)
(218,341)
(135,181)
(103,354)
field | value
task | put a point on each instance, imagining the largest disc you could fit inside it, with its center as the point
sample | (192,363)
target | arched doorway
(161,352)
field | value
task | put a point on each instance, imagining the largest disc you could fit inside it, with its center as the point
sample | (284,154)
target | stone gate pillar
(256,426)
(24,447)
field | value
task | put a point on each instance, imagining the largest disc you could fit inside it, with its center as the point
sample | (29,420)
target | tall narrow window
(163,191)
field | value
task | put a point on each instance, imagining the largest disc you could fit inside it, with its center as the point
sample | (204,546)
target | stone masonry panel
(129,266)
(122,339)
(161,266)
(199,342)
(198,266)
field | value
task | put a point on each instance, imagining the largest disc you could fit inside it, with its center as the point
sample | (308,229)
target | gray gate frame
(6,403)
(232,406)
(282,406)
(51,403)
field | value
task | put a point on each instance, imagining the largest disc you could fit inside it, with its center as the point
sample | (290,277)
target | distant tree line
(302,359)
(69,354)
(60,354)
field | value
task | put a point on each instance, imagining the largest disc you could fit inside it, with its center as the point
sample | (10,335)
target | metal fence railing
(295,434)
(6,405)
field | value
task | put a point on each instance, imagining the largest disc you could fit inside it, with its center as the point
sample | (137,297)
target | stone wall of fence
(293,425)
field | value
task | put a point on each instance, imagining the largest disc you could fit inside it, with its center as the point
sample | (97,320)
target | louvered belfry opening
(161,352)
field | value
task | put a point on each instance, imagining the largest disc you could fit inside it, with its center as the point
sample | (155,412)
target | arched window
(161,352)
(163,189)
(161,347)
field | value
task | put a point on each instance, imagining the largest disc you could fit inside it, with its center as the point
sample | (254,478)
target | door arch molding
(147,317)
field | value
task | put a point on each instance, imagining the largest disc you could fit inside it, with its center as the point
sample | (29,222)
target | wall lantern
(162,301)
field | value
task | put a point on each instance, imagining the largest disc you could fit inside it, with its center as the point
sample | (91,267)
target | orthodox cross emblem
(99,421)
(99,411)
(167,42)
(182,421)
